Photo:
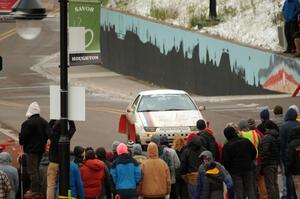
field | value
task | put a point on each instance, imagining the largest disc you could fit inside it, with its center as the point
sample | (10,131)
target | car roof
(162,91)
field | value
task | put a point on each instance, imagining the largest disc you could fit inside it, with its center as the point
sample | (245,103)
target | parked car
(162,112)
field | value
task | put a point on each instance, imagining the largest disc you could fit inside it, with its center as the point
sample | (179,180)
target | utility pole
(212,8)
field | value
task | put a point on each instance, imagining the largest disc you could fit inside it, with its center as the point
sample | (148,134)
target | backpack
(166,156)
(210,144)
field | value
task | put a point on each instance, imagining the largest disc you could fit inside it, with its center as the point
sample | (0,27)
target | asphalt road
(19,86)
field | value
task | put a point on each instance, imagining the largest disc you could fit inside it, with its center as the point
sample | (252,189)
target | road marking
(29,74)
(11,104)
(106,109)
(8,34)
(3,78)
(91,75)
(23,87)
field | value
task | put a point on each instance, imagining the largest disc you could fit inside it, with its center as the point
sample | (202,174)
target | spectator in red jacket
(92,174)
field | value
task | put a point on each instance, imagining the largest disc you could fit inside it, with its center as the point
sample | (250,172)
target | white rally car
(162,112)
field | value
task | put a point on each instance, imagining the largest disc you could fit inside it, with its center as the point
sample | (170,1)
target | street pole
(64,141)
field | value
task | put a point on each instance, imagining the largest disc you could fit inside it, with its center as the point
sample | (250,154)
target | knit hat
(137,149)
(243,125)
(122,149)
(164,140)
(114,145)
(33,109)
(201,125)
(230,133)
(251,124)
(130,144)
(155,138)
(264,115)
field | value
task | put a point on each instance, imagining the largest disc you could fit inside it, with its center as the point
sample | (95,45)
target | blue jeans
(244,183)
(282,168)
(192,190)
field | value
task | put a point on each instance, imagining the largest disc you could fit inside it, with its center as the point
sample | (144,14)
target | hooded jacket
(126,174)
(209,142)
(92,174)
(34,133)
(238,153)
(137,153)
(156,180)
(189,157)
(211,178)
(291,8)
(270,148)
(11,172)
(285,131)
(293,155)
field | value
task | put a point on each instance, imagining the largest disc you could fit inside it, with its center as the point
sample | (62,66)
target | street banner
(76,103)
(84,32)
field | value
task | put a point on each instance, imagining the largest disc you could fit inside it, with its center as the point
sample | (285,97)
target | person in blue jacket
(291,10)
(76,184)
(126,173)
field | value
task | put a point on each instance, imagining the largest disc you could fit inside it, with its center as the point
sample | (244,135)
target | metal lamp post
(30,12)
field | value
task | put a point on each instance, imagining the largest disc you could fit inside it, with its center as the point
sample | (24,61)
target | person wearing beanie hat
(209,141)
(125,173)
(238,158)
(264,116)
(92,174)
(33,137)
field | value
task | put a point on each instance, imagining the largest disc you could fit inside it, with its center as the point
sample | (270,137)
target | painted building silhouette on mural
(128,55)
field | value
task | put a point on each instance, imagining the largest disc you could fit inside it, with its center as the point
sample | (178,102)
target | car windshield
(166,102)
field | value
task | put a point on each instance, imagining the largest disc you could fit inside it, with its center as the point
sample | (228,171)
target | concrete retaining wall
(181,59)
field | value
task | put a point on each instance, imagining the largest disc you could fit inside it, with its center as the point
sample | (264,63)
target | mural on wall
(180,59)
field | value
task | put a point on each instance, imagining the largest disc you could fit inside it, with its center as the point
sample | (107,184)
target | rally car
(161,112)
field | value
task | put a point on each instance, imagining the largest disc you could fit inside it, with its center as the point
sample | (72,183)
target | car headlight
(150,129)
(193,128)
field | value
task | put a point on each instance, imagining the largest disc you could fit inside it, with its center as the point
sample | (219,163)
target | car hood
(169,118)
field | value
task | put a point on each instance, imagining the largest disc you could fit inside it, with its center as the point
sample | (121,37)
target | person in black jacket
(293,159)
(209,140)
(54,136)
(190,163)
(33,137)
(238,158)
(270,157)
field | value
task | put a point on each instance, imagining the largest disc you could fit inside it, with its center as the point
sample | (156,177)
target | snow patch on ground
(252,24)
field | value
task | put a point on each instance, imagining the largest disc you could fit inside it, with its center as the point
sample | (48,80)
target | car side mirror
(202,108)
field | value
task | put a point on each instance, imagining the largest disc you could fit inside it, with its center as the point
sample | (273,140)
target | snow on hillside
(251,22)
